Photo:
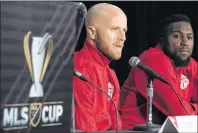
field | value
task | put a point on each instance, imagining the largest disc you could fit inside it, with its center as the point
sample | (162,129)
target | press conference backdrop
(37,43)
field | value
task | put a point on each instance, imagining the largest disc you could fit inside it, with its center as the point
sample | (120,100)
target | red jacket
(134,91)
(93,109)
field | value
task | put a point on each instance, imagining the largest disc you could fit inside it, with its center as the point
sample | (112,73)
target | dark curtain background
(143,18)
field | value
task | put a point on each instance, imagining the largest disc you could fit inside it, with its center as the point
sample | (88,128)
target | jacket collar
(97,56)
(161,50)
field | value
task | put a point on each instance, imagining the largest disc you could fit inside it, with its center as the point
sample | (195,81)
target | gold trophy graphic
(37,60)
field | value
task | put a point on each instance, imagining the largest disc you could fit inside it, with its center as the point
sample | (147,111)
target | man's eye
(190,38)
(114,28)
(176,36)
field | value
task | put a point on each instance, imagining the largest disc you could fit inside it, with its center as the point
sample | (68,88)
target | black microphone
(135,62)
(82,77)
(79,75)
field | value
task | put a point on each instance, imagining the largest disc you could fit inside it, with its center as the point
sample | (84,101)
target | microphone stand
(149,126)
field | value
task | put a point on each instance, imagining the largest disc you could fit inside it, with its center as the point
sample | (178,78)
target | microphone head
(134,61)
(76,73)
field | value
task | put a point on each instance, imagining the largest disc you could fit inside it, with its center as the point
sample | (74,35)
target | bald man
(106,26)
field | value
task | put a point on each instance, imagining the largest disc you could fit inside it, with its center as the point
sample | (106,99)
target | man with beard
(171,59)
(106,26)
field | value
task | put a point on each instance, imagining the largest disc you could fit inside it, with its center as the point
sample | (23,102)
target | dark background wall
(143,18)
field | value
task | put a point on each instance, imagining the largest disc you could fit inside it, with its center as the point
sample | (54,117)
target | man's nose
(122,36)
(184,41)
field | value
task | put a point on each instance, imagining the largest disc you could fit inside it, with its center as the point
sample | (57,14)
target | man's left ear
(91,31)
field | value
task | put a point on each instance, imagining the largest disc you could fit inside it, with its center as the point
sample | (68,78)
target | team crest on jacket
(110,90)
(184,82)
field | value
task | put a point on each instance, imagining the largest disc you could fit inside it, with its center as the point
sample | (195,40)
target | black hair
(171,19)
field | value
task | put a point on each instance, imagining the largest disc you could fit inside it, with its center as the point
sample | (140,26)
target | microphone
(135,62)
(79,75)
(82,77)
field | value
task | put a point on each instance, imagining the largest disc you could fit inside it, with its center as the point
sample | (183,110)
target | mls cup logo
(37,60)
(35,113)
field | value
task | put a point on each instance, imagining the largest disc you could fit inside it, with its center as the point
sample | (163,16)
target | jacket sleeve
(195,93)
(164,97)
(84,102)
(130,114)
